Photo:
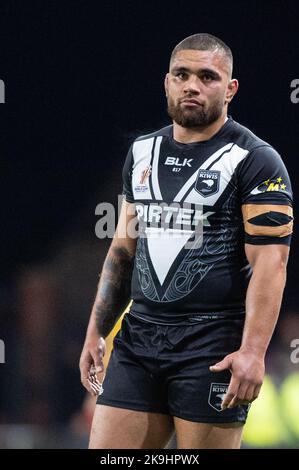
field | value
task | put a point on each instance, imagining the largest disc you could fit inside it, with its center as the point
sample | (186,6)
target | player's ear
(166,84)
(231,90)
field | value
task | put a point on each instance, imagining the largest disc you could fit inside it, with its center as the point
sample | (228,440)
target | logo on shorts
(216,395)
(207,182)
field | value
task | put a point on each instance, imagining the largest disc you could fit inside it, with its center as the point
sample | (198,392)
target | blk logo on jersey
(178,161)
(207,182)
(216,395)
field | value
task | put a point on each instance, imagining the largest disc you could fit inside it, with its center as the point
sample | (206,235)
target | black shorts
(165,369)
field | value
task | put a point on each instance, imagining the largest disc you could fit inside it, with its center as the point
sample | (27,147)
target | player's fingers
(240,396)
(227,399)
(87,384)
(256,392)
(87,370)
(97,377)
(251,394)
(84,370)
(231,392)
(249,397)
(222,365)
(95,383)
(94,389)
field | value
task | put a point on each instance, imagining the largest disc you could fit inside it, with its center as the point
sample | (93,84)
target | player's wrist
(92,338)
(254,350)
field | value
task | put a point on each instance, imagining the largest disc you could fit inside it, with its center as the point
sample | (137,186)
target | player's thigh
(193,435)
(120,428)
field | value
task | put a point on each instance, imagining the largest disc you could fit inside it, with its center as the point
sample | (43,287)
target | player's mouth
(191,102)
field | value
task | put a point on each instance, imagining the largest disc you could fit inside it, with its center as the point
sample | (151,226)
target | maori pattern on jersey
(144,274)
(190,272)
(194,266)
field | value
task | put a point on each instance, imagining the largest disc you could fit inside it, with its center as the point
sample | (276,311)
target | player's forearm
(114,291)
(263,301)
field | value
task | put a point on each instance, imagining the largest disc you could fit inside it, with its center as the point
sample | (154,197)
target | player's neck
(189,135)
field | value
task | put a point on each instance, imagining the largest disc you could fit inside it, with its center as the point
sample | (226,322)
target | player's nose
(192,85)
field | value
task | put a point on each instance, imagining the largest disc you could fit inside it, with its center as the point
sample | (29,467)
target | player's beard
(196,117)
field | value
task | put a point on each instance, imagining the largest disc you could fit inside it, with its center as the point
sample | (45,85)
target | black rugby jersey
(190,261)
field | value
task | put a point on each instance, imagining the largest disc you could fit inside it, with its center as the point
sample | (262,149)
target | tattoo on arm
(114,290)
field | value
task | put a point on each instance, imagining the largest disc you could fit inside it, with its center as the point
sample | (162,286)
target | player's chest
(194,175)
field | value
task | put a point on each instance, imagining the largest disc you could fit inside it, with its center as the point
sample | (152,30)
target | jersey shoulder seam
(164,132)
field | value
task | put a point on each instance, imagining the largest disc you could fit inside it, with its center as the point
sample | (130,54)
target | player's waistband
(187,319)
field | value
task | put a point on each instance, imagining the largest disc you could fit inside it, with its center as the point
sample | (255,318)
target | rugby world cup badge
(216,395)
(207,182)
(143,180)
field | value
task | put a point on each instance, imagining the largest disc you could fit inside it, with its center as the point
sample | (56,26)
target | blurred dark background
(82,79)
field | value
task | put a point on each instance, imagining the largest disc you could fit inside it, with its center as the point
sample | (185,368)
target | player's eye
(207,77)
(181,75)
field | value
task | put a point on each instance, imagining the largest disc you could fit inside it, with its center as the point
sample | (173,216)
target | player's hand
(248,370)
(91,364)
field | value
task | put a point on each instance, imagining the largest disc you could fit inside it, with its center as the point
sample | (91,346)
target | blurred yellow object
(289,402)
(264,426)
(110,337)
(82,420)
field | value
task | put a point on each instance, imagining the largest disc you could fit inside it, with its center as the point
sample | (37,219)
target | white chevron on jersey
(164,246)
(226,165)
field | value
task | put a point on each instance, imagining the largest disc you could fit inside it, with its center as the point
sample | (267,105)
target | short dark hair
(204,42)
